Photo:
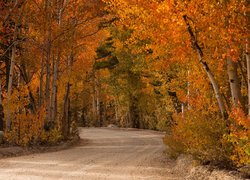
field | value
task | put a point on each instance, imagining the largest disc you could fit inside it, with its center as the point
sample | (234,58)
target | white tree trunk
(188,91)
(11,74)
(246,14)
(207,69)
(182,110)
(60,4)
(97,99)
(94,110)
(234,83)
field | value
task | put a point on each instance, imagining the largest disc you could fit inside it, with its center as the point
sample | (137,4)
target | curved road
(111,154)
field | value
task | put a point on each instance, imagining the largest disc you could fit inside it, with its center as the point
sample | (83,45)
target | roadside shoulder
(14,151)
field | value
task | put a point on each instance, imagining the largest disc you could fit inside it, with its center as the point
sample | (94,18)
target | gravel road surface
(103,153)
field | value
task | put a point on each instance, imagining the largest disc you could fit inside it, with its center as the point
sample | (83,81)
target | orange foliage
(240,137)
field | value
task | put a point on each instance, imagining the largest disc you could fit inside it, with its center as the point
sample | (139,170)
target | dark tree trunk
(83,117)
(66,114)
(176,102)
(1,109)
(134,113)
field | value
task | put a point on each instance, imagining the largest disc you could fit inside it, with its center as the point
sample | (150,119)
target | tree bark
(48,58)
(205,66)
(178,106)
(10,78)
(95,99)
(27,80)
(93,105)
(188,91)
(66,113)
(1,109)
(116,107)
(234,82)
(40,101)
(98,113)
(134,112)
(47,85)
(60,4)
(66,122)
(1,101)
(54,89)
(248,77)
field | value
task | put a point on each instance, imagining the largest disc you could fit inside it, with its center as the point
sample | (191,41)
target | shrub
(164,122)
(27,129)
(239,137)
(51,137)
(200,135)
(175,146)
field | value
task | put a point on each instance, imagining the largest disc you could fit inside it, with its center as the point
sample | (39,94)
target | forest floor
(108,153)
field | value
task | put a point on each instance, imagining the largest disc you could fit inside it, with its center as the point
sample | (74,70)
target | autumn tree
(42,47)
(134,91)
(210,54)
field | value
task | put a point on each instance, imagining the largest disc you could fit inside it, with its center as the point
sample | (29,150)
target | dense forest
(179,66)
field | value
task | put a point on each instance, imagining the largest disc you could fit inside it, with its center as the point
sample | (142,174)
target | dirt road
(109,154)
